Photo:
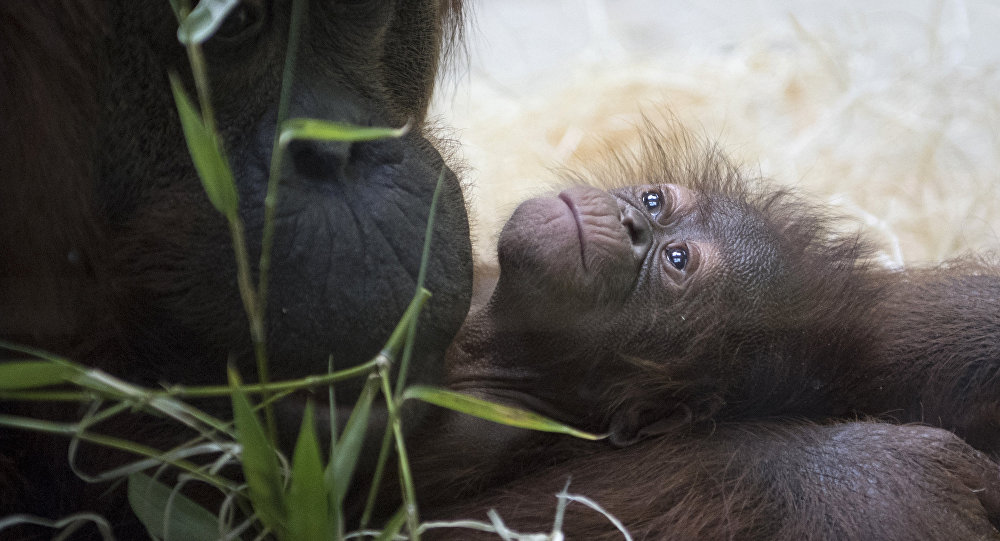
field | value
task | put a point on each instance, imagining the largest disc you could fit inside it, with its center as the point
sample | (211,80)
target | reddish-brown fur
(759,480)
(730,393)
(743,479)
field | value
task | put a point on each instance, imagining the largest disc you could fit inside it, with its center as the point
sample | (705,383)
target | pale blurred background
(889,110)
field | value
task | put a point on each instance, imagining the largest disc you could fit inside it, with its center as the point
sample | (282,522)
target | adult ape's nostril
(638,229)
(319,160)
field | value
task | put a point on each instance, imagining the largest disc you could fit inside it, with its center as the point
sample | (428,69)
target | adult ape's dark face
(350,218)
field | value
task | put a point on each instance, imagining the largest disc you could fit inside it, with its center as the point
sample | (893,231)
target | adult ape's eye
(678,257)
(241,22)
(653,201)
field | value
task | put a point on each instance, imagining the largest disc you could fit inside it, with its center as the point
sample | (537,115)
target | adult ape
(687,318)
(113,255)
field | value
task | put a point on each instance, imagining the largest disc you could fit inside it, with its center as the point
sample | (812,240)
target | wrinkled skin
(350,218)
(720,300)
(698,322)
(603,279)
(148,289)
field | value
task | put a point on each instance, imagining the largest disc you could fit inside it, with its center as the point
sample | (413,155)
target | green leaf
(187,521)
(344,458)
(260,464)
(425,254)
(213,169)
(204,20)
(390,352)
(394,525)
(490,411)
(31,374)
(307,508)
(330,477)
(324,130)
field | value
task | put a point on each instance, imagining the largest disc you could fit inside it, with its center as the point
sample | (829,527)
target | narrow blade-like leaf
(31,374)
(308,518)
(325,130)
(345,455)
(187,520)
(490,411)
(397,339)
(330,477)
(260,465)
(212,167)
(394,525)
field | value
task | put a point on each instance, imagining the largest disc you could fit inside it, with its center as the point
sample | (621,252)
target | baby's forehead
(747,242)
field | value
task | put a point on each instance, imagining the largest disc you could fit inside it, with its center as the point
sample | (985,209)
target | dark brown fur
(51,65)
(111,254)
(713,381)
(760,480)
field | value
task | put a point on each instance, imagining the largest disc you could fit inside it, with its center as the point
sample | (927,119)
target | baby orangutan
(728,338)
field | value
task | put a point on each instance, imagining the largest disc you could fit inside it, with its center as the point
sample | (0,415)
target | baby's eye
(653,201)
(678,257)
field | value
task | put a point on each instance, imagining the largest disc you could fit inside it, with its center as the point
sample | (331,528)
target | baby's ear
(633,423)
